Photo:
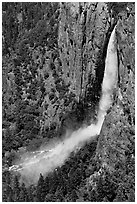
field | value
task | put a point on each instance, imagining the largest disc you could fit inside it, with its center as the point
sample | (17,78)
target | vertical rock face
(82,30)
(118,130)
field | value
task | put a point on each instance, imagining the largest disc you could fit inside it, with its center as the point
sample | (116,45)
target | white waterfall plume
(46,160)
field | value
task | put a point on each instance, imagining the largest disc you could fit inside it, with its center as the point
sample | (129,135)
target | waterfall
(47,160)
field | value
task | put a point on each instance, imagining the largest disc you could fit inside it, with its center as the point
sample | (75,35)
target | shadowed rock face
(81,37)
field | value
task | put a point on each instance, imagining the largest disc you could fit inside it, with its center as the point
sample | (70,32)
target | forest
(53,60)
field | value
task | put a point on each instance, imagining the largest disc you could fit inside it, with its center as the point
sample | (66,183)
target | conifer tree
(40,189)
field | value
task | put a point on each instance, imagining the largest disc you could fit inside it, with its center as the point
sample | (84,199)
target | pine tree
(41,189)
(47,186)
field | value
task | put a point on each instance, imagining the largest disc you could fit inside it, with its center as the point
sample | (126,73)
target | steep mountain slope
(53,67)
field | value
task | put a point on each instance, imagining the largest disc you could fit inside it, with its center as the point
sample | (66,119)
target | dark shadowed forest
(53,61)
